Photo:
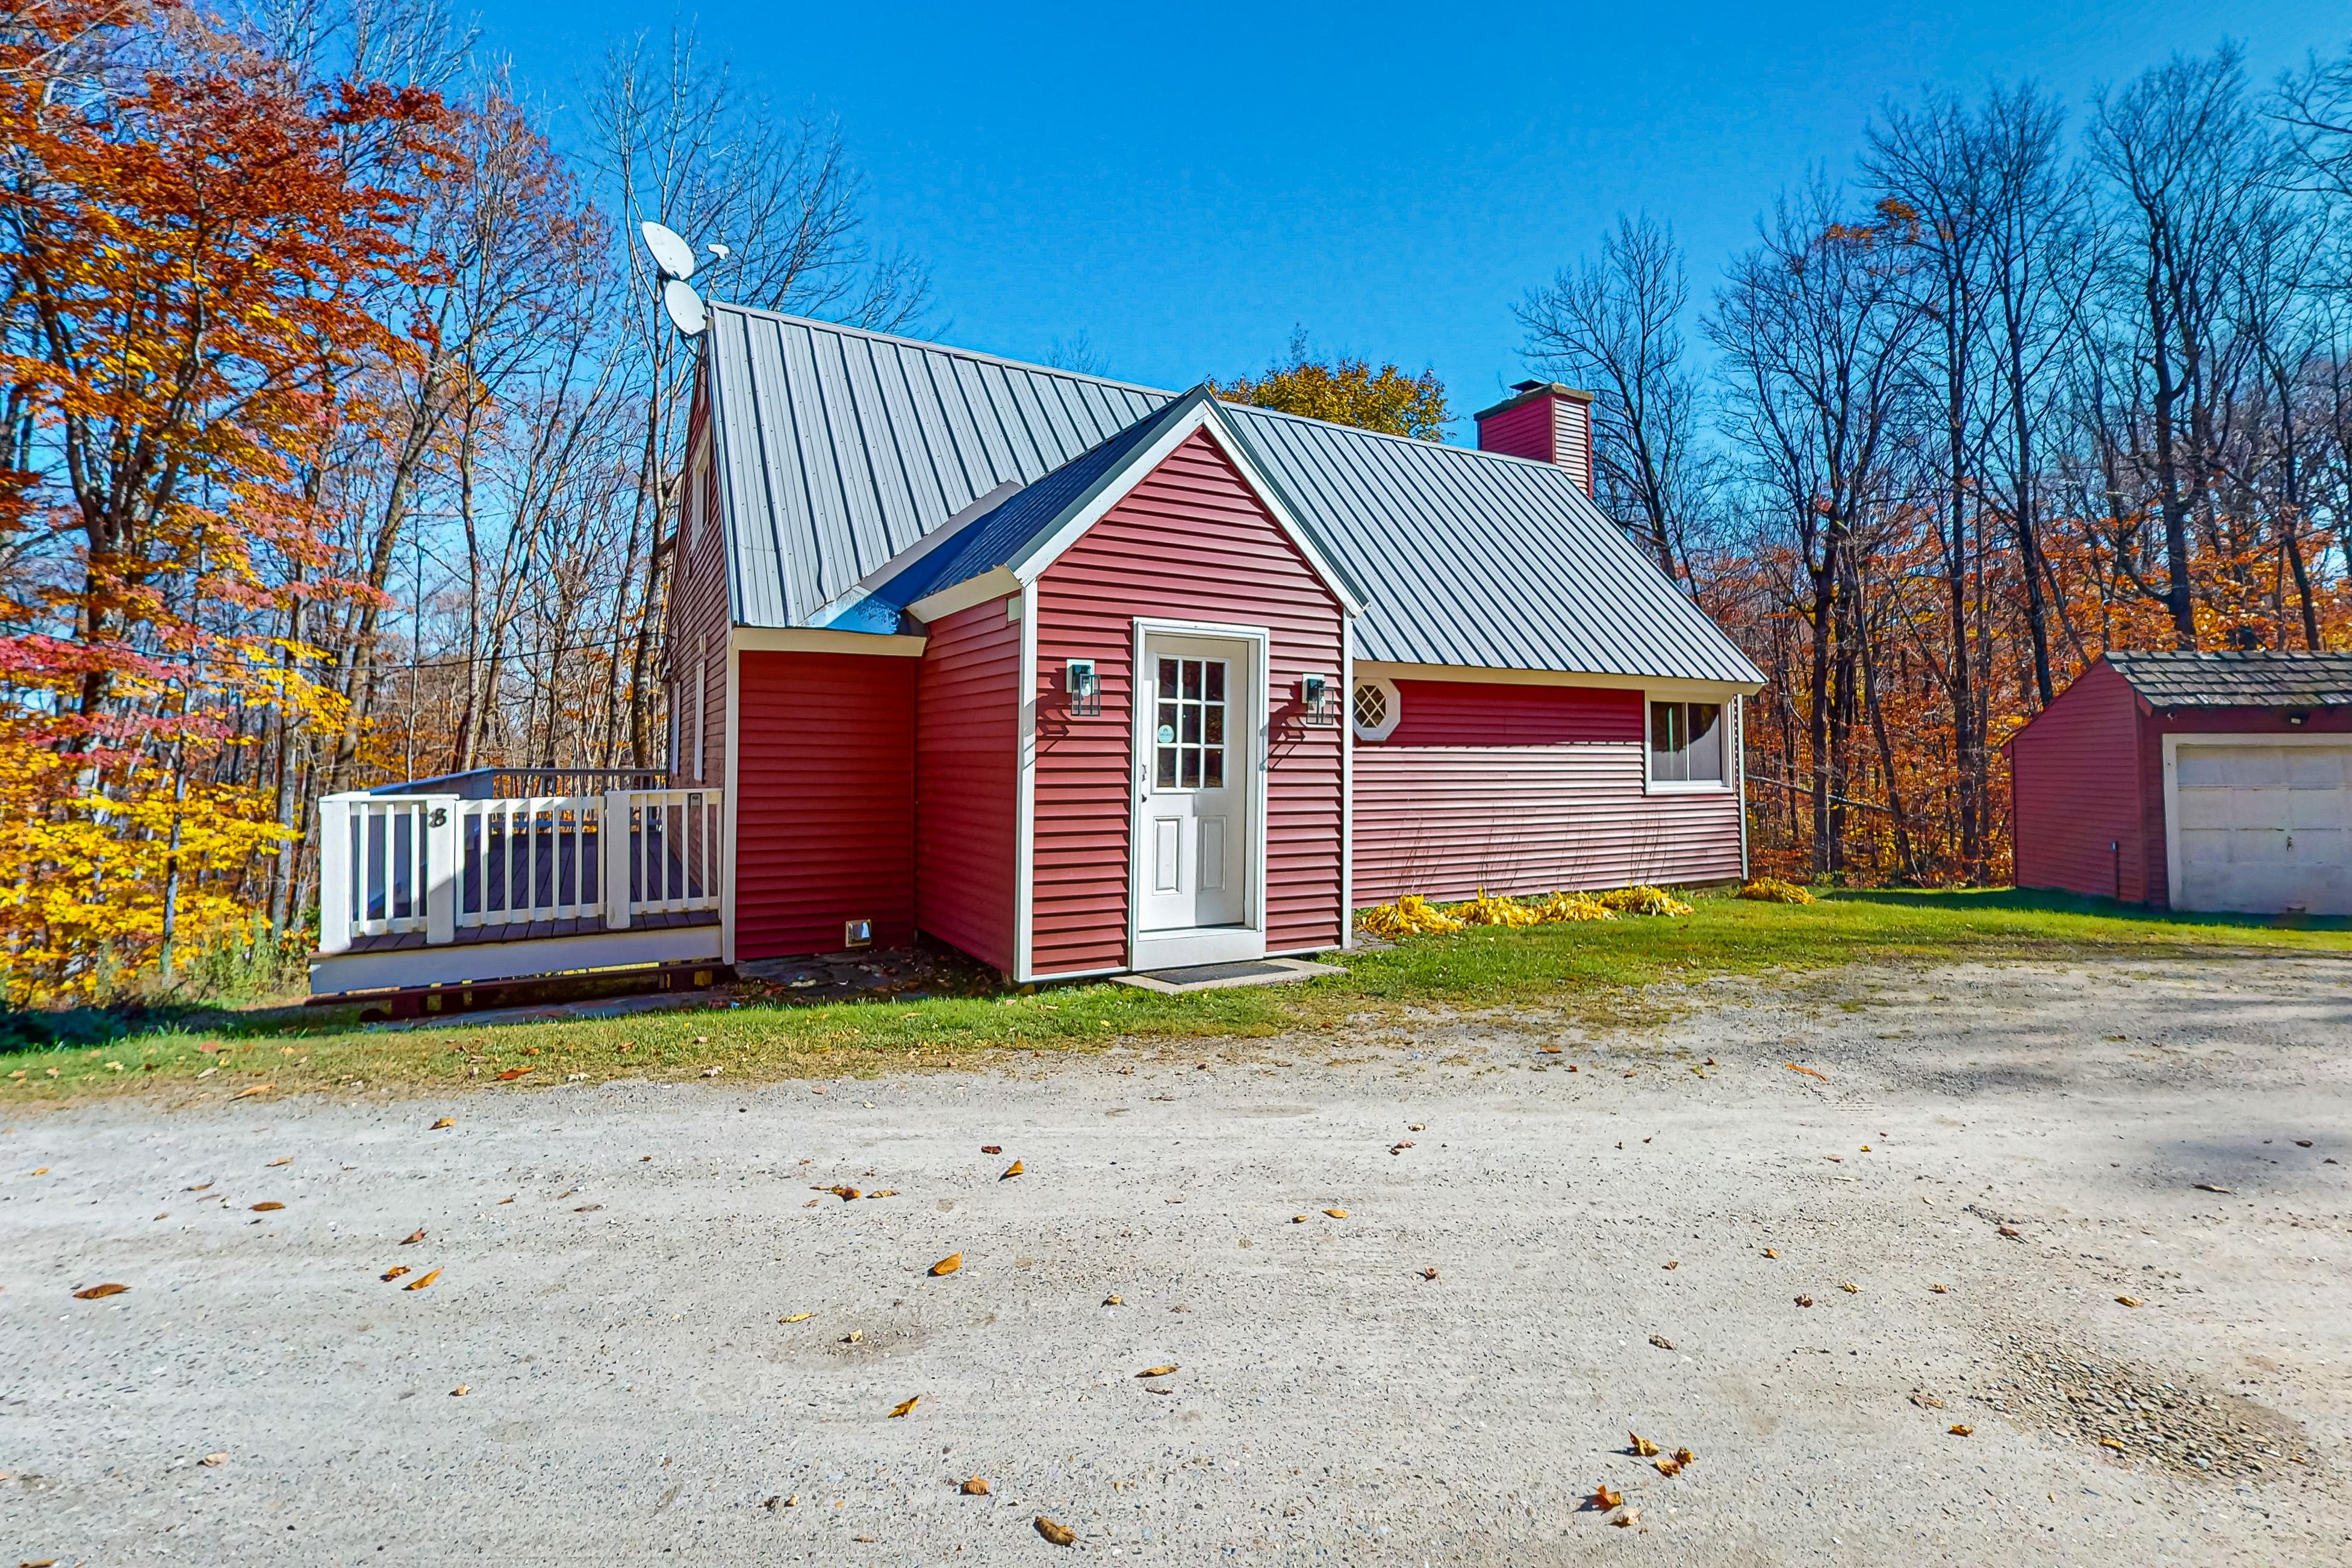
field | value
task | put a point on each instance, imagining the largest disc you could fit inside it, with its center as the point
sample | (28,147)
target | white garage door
(2261,827)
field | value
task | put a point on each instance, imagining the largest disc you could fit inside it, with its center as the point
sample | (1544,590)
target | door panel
(1194,734)
(2261,827)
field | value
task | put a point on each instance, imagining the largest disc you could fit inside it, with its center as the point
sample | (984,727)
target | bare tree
(1614,322)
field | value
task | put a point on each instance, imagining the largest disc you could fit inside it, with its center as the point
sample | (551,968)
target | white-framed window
(1374,707)
(1689,745)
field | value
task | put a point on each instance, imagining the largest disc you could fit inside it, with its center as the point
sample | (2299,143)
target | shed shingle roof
(843,448)
(2255,679)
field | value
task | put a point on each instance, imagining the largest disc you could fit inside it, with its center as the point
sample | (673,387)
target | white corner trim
(732,804)
(1348,786)
(994,583)
(816,640)
(1024,796)
(1032,563)
(1739,737)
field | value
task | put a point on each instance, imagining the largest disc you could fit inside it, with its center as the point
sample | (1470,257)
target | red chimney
(1546,421)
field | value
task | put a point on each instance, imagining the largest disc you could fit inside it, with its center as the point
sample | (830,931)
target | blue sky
(1182,184)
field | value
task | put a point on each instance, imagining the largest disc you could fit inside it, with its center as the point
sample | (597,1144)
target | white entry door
(2262,825)
(1196,730)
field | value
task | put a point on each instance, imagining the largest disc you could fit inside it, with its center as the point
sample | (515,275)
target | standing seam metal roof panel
(1465,558)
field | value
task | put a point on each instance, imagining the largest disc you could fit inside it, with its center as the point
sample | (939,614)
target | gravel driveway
(651,1334)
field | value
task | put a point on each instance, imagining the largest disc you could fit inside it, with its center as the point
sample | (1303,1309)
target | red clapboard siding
(967,775)
(1445,821)
(700,618)
(824,807)
(1190,541)
(2076,788)
(1476,713)
(1526,431)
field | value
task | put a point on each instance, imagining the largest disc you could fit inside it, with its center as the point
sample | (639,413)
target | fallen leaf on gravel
(2114,1443)
(2128,1300)
(2210,1187)
(1631,1517)
(393,1273)
(1674,1263)
(1962,1429)
(256,1088)
(512,1073)
(213,1462)
(1337,1213)
(1157,1370)
(1807,1071)
(1552,1050)
(904,1406)
(844,1194)
(854,1337)
(1771,1252)
(1641,1445)
(1851,1289)
(1662,1342)
(992,1148)
(462,1390)
(1113,1302)
(1804,1301)
(587,1208)
(2302,1142)
(199,1187)
(2009,1231)
(796,1318)
(413,1237)
(445,1121)
(268,1207)
(422,1280)
(947,1265)
(1429,1274)
(1012,1171)
(976,1487)
(100,1292)
(1668,1466)
(1602,1498)
(1571,1067)
(1299,1219)
(1400,1148)
(275,1164)
(1927,1402)
(1684,1456)
(1059,1534)
(1423,1127)
(1834,1159)
(1942,1290)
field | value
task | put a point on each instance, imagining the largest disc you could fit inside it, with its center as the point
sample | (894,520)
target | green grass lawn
(1599,968)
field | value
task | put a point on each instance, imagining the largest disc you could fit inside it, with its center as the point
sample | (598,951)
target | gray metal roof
(2251,680)
(841,449)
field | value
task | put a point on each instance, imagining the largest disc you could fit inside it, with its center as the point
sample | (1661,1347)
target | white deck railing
(438,864)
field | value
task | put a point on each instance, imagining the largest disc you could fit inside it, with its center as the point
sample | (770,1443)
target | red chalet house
(1083,678)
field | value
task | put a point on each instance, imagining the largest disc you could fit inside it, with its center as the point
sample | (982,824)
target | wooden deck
(472,936)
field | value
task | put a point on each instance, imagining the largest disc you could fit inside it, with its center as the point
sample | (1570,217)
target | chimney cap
(1526,391)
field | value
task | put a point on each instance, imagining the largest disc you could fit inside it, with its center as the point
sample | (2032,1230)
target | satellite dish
(685,307)
(719,250)
(671,254)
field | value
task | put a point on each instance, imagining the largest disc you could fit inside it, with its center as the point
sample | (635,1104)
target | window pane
(1212,768)
(1217,681)
(1706,738)
(1192,678)
(1191,767)
(1166,677)
(1167,721)
(1213,730)
(1669,760)
(1165,772)
(1191,733)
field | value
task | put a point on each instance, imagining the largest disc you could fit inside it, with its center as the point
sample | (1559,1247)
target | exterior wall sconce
(2298,720)
(1083,687)
(1318,705)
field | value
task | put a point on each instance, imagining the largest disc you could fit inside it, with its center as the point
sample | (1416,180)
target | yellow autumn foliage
(1409,916)
(1644,901)
(1772,890)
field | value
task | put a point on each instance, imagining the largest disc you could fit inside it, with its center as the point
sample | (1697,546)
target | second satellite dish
(671,254)
(684,305)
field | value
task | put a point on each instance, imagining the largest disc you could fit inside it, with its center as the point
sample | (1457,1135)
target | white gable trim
(996,582)
(1032,563)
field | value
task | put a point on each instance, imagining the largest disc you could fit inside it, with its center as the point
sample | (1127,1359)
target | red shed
(2192,781)
(1082,677)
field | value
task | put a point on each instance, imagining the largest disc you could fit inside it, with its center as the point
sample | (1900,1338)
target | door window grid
(1188,732)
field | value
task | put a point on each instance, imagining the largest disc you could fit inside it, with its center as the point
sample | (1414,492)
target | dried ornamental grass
(1409,916)
(1644,901)
(1772,890)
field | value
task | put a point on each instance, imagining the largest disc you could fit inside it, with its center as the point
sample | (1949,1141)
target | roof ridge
(950,350)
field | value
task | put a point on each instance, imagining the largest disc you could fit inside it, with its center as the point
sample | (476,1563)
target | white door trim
(1223,944)
(1024,605)
(2172,745)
